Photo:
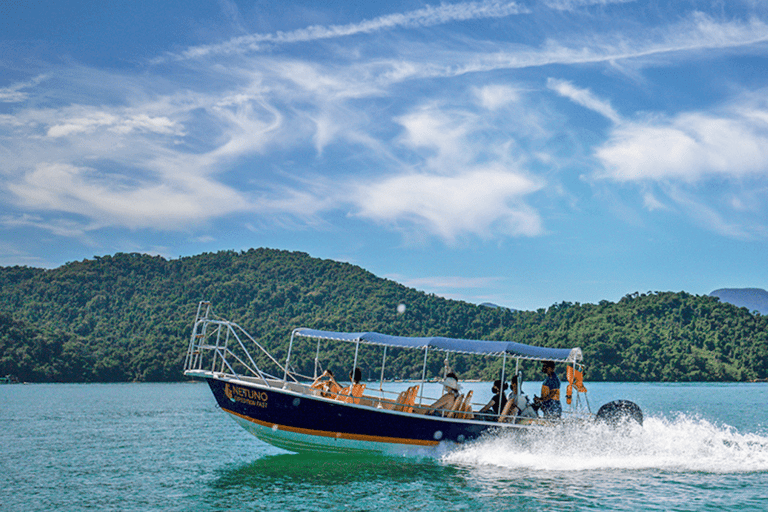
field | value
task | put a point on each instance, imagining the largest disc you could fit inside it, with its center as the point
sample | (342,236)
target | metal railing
(219,346)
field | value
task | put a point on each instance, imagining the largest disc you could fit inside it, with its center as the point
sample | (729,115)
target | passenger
(518,404)
(328,388)
(353,392)
(450,394)
(550,392)
(498,400)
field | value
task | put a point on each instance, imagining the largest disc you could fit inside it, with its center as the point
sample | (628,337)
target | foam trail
(684,444)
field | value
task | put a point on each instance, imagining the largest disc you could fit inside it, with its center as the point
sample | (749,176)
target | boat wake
(683,444)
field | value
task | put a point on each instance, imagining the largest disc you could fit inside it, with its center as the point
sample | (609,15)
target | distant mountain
(754,299)
(495,306)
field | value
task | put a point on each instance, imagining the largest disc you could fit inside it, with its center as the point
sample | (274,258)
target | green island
(128,318)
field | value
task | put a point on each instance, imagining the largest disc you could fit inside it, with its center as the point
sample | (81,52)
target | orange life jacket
(575,379)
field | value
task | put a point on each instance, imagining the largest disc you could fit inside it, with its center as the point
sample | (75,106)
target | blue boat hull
(300,422)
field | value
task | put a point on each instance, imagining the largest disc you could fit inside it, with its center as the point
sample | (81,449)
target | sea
(167,447)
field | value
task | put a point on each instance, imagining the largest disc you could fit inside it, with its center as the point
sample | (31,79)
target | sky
(520,153)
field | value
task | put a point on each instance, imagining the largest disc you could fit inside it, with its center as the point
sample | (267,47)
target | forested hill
(128,317)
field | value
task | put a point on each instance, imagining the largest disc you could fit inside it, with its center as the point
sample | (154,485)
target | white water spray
(684,444)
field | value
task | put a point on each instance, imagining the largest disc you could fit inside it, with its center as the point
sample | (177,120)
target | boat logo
(228,392)
(246,396)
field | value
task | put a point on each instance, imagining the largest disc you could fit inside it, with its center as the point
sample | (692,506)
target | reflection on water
(334,482)
(332,469)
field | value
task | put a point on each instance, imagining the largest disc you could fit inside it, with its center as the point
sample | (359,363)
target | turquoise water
(166,447)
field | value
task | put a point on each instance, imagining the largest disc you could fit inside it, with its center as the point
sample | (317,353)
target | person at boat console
(498,401)
(549,401)
(450,394)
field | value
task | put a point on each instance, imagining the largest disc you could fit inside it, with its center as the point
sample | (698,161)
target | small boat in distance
(278,405)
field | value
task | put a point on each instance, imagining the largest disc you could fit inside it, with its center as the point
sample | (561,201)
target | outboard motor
(619,411)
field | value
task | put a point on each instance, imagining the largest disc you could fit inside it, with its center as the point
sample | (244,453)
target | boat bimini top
(477,347)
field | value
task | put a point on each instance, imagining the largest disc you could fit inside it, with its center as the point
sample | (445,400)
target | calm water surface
(166,447)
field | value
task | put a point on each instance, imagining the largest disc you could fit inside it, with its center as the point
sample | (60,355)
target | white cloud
(572,5)
(695,34)
(123,200)
(122,123)
(493,97)
(62,227)
(479,202)
(689,147)
(651,203)
(443,133)
(583,97)
(453,171)
(15,94)
(467,182)
(425,17)
(710,167)
(458,282)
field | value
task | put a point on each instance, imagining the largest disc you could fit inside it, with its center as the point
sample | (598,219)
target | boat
(9,379)
(273,401)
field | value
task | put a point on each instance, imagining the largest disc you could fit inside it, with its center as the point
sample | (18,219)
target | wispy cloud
(446,282)
(191,139)
(61,227)
(99,120)
(571,5)
(15,93)
(114,200)
(583,97)
(709,217)
(425,17)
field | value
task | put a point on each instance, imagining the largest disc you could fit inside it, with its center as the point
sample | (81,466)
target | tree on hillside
(128,317)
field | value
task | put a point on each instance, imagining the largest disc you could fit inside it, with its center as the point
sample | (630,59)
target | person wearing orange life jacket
(550,392)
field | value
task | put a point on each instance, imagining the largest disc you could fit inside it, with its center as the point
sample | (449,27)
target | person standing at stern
(550,392)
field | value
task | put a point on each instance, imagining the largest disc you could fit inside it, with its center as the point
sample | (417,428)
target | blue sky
(522,153)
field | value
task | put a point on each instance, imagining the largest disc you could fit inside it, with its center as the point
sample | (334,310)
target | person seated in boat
(517,404)
(549,401)
(498,400)
(327,384)
(354,391)
(450,394)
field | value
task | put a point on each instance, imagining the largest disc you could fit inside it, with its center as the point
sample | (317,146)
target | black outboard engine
(618,412)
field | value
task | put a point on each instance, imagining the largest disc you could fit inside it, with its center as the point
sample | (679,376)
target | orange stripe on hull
(336,435)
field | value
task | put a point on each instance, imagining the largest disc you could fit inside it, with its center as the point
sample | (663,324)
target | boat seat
(401,400)
(407,399)
(410,398)
(456,408)
(466,407)
(352,393)
(505,415)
